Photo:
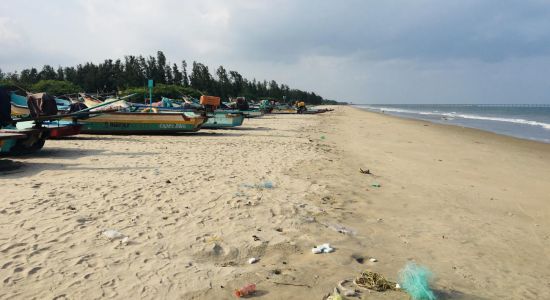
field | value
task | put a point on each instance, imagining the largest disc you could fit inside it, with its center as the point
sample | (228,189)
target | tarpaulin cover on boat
(41,104)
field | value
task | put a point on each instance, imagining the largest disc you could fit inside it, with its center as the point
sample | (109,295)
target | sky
(383,51)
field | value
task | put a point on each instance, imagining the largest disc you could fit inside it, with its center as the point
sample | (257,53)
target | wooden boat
(284,109)
(218,119)
(15,140)
(287,109)
(121,122)
(19,107)
(61,128)
(252,113)
(91,102)
(32,140)
(224,119)
(57,128)
(8,140)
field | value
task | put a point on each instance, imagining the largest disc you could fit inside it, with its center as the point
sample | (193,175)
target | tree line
(133,72)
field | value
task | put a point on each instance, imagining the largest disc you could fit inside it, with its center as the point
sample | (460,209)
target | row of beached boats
(27,121)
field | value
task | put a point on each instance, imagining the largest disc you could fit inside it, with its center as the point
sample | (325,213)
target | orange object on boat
(210,100)
(245,290)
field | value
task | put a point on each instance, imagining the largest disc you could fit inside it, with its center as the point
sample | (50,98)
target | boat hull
(18,110)
(284,111)
(29,141)
(252,113)
(8,141)
(223,120)
(60,129)
(137,123)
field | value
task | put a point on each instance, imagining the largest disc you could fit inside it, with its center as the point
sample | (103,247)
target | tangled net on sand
(374,281)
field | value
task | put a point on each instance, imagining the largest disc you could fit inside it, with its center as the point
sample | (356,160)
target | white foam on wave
(464,116)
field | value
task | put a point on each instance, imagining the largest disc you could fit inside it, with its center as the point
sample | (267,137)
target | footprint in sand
(33,271)
(13,246)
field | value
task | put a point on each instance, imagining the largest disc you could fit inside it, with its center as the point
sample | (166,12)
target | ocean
(530,122)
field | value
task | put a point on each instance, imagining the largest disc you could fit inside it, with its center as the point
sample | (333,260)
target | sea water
(522,121)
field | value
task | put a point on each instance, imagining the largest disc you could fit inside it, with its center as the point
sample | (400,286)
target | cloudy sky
(369,51)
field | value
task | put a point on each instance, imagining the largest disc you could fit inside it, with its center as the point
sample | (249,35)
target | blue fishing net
(416,281)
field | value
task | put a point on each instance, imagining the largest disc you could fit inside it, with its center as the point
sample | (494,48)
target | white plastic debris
(397,286)
(324,248)
(373,259)
(113,234)
(316,250)
(253,260)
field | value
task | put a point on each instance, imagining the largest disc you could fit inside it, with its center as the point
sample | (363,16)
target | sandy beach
(472,206)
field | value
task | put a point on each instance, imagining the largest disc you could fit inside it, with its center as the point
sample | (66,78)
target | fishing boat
(59,129)
(28,140)
(218,118)
(194,104)
(29,134)
(16,140)
(283,109)
(125,122)
(62,128)
(20,108)
(9,140)
(224,119)
(300,108)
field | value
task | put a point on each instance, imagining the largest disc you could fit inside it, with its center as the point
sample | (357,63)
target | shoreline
(448,124)
(470,205)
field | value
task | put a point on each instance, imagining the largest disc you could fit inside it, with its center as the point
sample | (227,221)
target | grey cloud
(427,30)
(376,51)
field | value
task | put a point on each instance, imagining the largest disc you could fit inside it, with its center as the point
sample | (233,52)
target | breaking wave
(463,116)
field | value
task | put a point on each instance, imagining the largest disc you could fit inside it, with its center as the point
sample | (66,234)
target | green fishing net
(416,281)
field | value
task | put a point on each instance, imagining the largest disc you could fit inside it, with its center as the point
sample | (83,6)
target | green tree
(29,76)
(47,73)
(178,76)
(200,77)
(60,74)
(237,83)
(55,87)
(172,91)
(70,74)
(133,72)
(224,84)
(160,70)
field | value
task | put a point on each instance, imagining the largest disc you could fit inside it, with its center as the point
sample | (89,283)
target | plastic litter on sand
(415,280)
(324,248)
(262,185)
(266,185)
(252,260)
(245,290)
(113,234)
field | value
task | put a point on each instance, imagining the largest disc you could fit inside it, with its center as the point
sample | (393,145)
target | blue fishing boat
(20,108)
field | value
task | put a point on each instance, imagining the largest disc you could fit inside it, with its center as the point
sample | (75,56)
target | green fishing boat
(224,119)
(122,122)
